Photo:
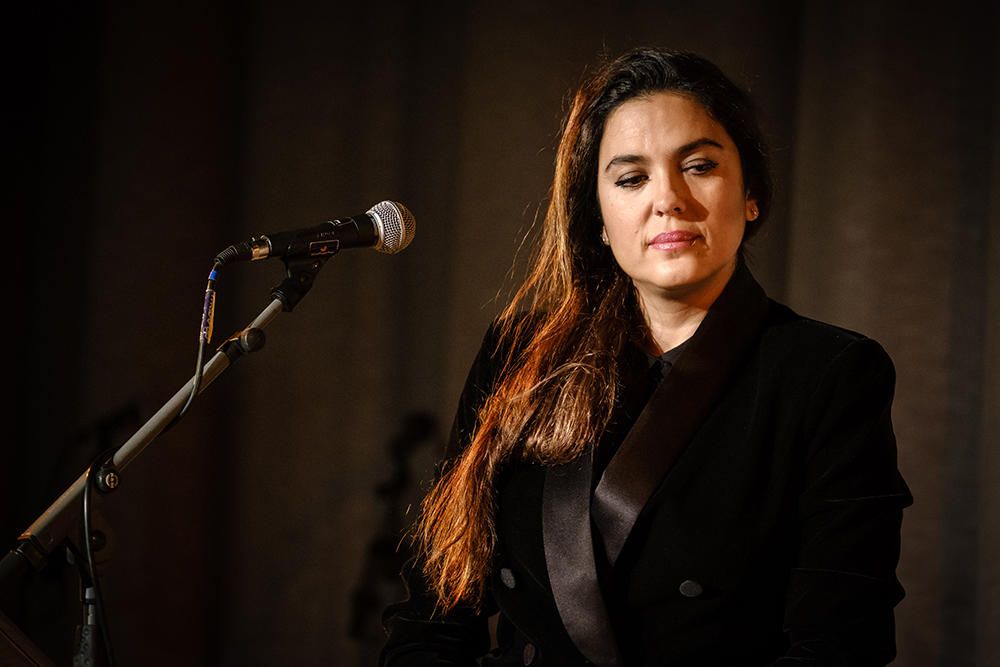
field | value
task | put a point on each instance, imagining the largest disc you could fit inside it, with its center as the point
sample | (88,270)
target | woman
(657,464)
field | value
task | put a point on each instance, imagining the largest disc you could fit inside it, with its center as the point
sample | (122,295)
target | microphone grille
(396,226)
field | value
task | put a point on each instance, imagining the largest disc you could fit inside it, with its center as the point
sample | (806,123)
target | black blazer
(750,517)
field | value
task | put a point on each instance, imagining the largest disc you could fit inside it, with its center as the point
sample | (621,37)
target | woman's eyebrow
(689,147)
(696,144)
(625,159)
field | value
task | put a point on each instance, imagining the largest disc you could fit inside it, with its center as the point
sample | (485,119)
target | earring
(753,212)
(604,236)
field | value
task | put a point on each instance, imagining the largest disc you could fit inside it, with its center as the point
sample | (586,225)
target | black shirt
(639,376)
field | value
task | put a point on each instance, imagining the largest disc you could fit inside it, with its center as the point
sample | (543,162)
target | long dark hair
(556,386)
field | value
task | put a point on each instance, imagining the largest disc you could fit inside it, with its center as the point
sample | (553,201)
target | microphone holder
(54,526)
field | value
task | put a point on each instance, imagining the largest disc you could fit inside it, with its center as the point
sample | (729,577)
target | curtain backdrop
(262,530)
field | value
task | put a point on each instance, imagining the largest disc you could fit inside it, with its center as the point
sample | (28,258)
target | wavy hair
(557,383)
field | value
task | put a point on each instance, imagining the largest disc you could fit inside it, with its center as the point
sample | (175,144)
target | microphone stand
(54,526)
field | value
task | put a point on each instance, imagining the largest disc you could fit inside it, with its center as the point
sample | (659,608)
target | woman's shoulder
(500,343)
(809,344)
(505,332)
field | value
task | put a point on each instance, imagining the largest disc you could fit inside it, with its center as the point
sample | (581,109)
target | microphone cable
(96,477)
(204,337)
(98,471)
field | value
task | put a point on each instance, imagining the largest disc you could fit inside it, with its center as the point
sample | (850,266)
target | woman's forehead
(657,119)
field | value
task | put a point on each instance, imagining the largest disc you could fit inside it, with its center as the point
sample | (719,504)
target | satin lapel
(569,559)
(677,408)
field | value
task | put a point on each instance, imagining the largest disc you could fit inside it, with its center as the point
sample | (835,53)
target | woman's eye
(631,181)
(701,167)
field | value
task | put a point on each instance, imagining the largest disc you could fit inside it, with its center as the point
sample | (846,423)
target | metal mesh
(396,226)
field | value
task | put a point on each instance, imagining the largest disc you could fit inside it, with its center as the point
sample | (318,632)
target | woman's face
(671,193)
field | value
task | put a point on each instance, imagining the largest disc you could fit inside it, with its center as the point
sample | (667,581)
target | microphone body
(387,227)
(325,238)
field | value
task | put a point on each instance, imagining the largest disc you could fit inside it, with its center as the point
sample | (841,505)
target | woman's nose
(671,195)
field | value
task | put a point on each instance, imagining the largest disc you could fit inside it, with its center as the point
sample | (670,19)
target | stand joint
(107,478)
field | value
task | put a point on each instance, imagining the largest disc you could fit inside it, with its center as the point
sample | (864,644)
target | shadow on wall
(388,549)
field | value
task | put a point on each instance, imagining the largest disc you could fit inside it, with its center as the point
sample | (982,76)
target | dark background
(145,137)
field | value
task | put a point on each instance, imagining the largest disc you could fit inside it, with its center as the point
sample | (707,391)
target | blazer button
(528,656)
(690,588)
(507,577)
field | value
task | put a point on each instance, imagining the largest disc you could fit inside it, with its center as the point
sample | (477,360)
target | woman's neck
(673,318)
(668,328)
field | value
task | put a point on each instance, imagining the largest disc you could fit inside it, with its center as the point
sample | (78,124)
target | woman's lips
(675,240)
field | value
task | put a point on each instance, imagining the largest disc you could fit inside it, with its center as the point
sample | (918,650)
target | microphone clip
(300,274)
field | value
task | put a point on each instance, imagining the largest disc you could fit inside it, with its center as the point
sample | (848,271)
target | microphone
(387,227)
